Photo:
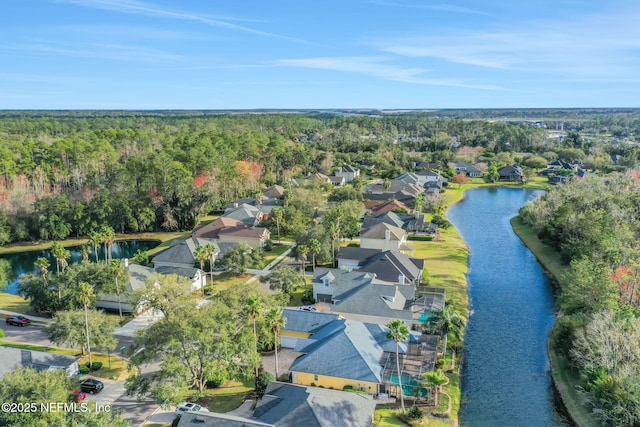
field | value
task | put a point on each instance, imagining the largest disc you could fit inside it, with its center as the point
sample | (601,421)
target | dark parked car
(18,321)
(91,386)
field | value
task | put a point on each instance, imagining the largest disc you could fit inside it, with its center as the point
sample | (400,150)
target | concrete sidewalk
(265,271)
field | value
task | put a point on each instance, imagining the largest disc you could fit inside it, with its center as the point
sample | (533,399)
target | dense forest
(595,225)
(68,173)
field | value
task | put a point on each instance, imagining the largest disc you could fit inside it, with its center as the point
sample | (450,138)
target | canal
(506,378)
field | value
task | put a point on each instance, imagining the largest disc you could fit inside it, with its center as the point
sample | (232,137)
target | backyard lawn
(225,398)
(13,303)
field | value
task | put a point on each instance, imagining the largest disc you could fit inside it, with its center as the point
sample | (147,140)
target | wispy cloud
(380,68)
(124,32)
(603,46)
(148,9)
(437,7)
(116,52)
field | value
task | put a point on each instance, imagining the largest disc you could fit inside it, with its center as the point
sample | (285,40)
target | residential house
(427,166)
(385,237)
(511,173)
(381,188)
(381,207)
(232,232)
(349,354)
(559,179)
(413,223)
(179,259)
(292,405)
(274,192)
(390,266)
(401,196)
(359,295)
(138,276)
(320,177)
(302,324)
(468,169)
(409,178)
(247,214)
(349,173)
(337,181)
(13,358)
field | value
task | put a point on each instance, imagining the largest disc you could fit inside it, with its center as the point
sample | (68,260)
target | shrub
(217,379)
(440,221)
(95,366)
(415,413)
(262,381)
(268,245)
(84,369)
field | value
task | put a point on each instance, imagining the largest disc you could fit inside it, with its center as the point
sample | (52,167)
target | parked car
(18,321)
(189,407)
(91,386)
(308,308)
(79,395)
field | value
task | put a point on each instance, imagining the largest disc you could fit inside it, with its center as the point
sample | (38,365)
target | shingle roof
(179,252)
(348,169)
(12,358)
(212,419)
(390,218)
(378,232)
(309,322)
(359,254)
(212,230)
(388,265)
(290,405)
(245,213)
(351,353)
(253,232)
(274,192)
(382,207)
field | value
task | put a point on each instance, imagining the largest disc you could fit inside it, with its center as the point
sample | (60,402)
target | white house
(384,237)
(349,173)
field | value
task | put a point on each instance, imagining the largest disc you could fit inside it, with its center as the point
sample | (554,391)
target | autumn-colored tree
(460,179)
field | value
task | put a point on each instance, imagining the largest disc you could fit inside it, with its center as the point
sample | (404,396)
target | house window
(315,378)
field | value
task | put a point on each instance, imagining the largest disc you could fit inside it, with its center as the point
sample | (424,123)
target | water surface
(506,378)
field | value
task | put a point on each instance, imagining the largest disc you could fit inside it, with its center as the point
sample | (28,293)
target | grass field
(225,398)
(13,303)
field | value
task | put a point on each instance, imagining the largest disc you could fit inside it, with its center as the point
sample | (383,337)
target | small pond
(24,262)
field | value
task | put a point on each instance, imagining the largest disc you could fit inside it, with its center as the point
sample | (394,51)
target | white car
(189,407)
(308,308)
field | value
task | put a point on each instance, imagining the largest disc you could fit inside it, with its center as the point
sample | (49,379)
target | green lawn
(225,398)
(272,255)
(117,371)
(63,351)
(13,303)
(227,280)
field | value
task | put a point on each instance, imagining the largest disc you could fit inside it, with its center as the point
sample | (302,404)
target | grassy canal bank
(565,378)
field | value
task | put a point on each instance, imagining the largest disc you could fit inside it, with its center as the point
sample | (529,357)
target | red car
(18,321)
(79,395)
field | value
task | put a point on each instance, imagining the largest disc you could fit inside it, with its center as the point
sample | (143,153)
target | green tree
(108,238)
(334,233)
(285,279)
(492,173)
(169,294)
(278,217)
(276,322)
(61,255)
(26,385)
(198,346)
(83,330)
(315,247)
(448,321)
(398,332)
(43,267)
(5,273)
(434,380)
(211,255)
(242,257)
(201,254)
(95,240)
(254,308)
(119,272)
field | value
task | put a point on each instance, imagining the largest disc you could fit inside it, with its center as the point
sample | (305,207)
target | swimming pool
(408,384)
(424,316)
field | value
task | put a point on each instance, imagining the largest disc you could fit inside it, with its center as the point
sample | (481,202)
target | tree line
(595,225)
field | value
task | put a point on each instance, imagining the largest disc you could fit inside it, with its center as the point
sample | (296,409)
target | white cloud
(148,9)
(602,46)
(378,67)
(437,7)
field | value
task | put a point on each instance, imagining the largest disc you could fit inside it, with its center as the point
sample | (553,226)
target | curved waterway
(506,379)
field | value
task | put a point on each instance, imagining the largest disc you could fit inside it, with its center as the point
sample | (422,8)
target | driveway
(142,321)
(286,356)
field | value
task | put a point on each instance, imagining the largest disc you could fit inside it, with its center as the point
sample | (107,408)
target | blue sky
(241,54)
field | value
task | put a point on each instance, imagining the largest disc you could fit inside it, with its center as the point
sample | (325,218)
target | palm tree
(95,240)
(117,269)
(43,266)
(57,250)
(434,380)
(254,310)
(398,332)
(201,255)
(108,237)
(85,249)
(303,251)
(314,248)
(417,204)
(211,255)
(447,321)
(334,233)
(278,216)
(87,294)
(276,322)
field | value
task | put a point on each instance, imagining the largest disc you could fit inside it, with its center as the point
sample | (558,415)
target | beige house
(232,231)
(384,237)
